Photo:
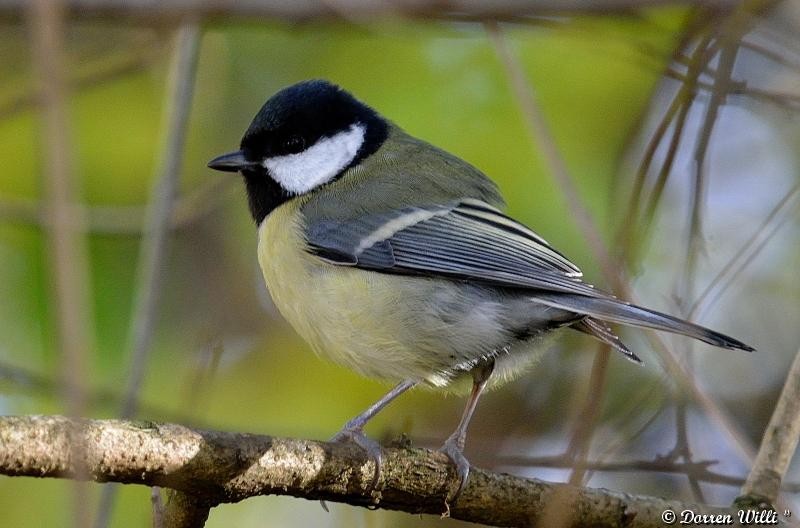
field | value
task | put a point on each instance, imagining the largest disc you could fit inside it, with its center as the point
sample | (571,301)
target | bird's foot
(356,435)
(454,450)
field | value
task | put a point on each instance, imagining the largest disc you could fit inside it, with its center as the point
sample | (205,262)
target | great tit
(394,258)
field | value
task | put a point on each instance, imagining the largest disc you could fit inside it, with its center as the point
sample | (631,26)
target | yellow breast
(383,326)
(334,308)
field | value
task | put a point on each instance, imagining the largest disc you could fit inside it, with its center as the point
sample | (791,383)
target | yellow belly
(383,326)
(335,308)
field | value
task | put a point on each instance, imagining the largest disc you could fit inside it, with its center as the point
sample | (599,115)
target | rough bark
(214,467)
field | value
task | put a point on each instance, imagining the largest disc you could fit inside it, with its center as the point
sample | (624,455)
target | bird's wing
(472,240)
(468,239)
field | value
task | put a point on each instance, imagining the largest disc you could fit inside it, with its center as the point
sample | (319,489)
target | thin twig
(581,439)
(729,37)
(126,219)
(779,445)
(106,70)
(27,381)
(729,48)
(488,455)
(774,56)
(158,507)
(699,22)
(698,468)
(542,138)
(740,88)
(671,362)
(290,10)
(154,242)
(627,234)
(682,447)
(685,286)
(742,256)
(687,94)
(185,511)
(68,260)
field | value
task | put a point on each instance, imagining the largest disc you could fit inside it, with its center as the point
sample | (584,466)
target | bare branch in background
(127,219)
(731,30)
(675,117)
(779,445)
(68,259)
(216,467)
(787,101)
(728,37)
(700,469)
(292,10)
(152,259)
(745,255)
(22,380)
(770,54)
(673,364)
(106,70)
(581,439)
(162,201)
(158,507)
(685,286)
(559,172)
(486,447)
(543,140)
(184,511)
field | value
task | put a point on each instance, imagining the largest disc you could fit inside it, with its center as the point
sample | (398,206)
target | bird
(394,258)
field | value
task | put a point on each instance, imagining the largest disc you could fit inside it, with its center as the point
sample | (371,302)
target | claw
(372,448)
(353,431)
(455,453)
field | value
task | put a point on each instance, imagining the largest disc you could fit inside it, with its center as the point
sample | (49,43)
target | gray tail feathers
(613,310)
(599,330)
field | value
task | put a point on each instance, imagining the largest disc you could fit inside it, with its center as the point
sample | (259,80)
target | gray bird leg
(353,431)
(454,446)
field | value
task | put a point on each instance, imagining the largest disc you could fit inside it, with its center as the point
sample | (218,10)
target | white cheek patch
(319,163)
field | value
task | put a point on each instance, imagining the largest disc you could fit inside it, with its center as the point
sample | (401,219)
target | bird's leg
(353,431)
(454,446)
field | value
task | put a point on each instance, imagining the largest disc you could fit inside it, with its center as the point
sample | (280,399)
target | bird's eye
(294,144)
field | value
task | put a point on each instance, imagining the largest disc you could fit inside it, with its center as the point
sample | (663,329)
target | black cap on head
(298,116)
(290,122)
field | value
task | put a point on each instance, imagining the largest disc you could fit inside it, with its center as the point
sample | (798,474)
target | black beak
(232,162)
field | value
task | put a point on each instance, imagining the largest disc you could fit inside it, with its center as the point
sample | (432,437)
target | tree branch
(154,243)
(293,10)
(211,467)
(779,444)
(184,511)
(67,259)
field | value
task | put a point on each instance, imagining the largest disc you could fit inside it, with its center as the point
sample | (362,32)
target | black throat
(263,194)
